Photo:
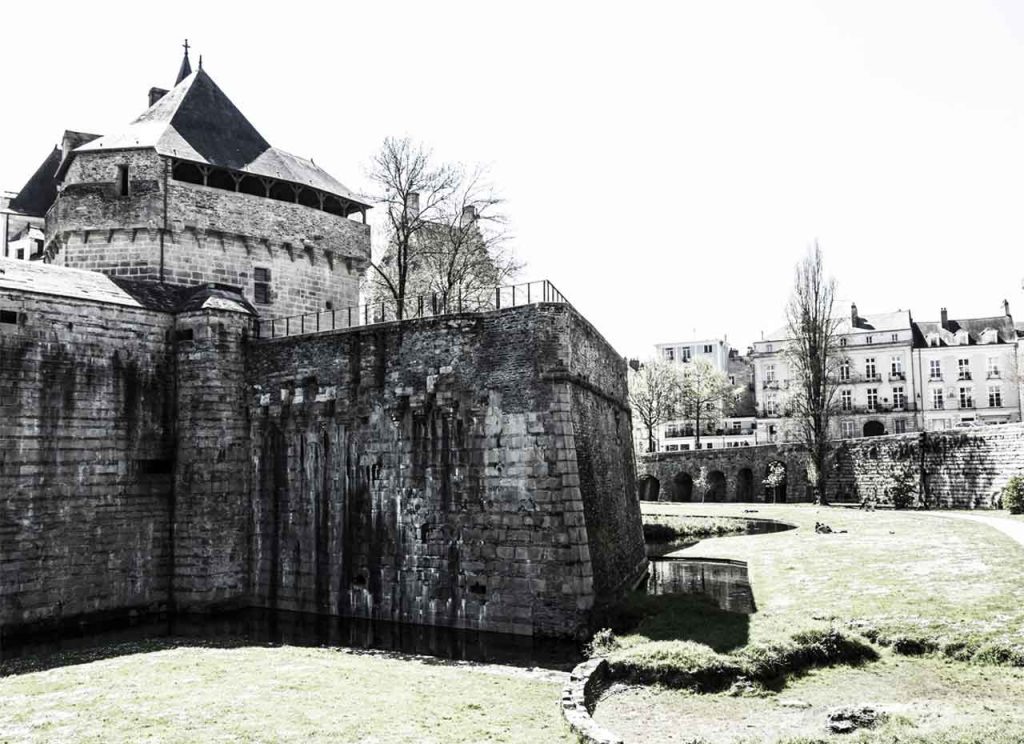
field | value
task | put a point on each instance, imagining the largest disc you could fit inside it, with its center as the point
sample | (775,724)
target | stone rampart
(456,471)
(958,468)
(85,458)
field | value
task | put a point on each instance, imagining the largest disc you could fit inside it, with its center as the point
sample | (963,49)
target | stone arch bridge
(735,474)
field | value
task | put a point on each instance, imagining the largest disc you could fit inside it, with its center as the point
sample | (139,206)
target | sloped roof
(1003,325)
(196,121)
(877,322)
(40,190)
(60,281)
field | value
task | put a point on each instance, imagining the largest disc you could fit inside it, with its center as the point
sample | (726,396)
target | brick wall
(84,459)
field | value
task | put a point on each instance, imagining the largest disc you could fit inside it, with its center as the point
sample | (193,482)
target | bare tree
(463,254)
(812,354)
(446,233)
(413,191)
(654,395)
(702,395)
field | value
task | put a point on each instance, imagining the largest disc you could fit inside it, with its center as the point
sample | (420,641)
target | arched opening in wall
(333,205)
(309,198)
(684,487)
(745,485)
(874,429)
(187,172)
(649,488)
(220,179)
(282,192)
(775,478)
(252,185)
(716,486)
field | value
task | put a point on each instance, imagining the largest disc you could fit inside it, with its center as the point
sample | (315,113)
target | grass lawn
(908,581)
(898,573)
(277,694)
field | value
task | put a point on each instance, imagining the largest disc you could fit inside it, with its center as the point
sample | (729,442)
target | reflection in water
(268,627)
(723,582)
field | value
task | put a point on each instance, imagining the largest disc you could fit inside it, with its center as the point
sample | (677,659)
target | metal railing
(420,306)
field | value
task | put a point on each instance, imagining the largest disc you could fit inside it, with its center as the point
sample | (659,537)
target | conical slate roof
(197,122)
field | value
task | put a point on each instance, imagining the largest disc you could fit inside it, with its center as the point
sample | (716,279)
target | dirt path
(1009,527)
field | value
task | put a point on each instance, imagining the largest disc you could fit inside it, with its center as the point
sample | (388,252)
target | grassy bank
(839,617)
(277,694)
(661,529)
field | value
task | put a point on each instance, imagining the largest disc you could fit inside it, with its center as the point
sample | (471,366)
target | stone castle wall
(205,234)
(471,471)
(959,468)
(435,471)
(85,459)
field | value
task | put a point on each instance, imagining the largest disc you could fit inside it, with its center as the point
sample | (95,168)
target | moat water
(269,627)
(726,583)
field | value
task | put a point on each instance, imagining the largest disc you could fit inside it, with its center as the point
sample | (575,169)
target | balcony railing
(896,376)
(421,306)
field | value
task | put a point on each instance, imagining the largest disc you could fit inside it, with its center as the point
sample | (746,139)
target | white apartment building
(895,375)
(725,433)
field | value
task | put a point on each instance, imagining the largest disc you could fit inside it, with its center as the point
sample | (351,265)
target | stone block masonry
(471,471)
(447,471)
(957,468)
(85,453)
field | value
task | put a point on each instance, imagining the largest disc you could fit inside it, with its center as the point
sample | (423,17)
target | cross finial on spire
(186,69)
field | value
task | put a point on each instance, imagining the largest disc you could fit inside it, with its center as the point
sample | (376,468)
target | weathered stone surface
(473,471)
(958,468)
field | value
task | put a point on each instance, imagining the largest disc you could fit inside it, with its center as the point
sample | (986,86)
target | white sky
(665,164)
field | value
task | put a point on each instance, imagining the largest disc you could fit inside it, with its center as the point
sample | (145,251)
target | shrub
(813,648)
(603,643)
(1013,495)
(678,664)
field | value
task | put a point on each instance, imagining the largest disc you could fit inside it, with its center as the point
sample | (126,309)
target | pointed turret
(186,68)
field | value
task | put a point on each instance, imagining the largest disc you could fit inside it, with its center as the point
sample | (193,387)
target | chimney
(853,314)
(155,94)
(468,214)
(1006,308)
(412,205)
(945,318)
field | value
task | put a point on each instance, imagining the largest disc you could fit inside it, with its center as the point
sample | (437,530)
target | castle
(158,454)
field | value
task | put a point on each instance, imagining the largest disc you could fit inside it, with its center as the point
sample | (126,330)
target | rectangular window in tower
(261,286)
(769,373)
(122,180)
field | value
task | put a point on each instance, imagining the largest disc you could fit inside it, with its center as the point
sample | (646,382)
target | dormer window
(990,336)
(961,337)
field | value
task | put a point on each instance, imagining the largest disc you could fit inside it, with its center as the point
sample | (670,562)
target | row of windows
(707,445)
(963,367)
(685,352)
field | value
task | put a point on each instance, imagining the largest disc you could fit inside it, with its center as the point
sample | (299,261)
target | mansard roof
(197,122)
(974,327)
